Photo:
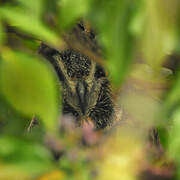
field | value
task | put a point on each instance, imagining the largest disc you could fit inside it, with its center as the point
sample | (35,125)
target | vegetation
(141,50)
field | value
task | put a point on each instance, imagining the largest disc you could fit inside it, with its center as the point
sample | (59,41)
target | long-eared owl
(85,87)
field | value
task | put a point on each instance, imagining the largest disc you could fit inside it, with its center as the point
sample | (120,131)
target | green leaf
(2,34)
(27,22)
(25,155)
(174,140)
(29,86)
(172,112)
(159,36)
(113,19)
(72,10)
(174,96)
(7,113)
(36,7)
(138,19)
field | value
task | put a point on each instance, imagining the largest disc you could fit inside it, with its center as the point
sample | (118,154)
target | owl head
(85,87)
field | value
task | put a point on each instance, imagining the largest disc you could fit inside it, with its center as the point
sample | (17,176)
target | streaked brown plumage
(86,89)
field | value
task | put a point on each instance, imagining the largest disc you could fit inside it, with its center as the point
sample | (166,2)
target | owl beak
(81,90)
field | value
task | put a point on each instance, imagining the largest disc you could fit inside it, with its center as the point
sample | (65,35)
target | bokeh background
(140,41)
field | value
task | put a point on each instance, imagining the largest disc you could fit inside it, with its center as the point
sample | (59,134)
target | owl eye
(99,72)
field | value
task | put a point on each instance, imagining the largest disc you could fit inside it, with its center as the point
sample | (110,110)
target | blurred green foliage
(17,68)
(127,30)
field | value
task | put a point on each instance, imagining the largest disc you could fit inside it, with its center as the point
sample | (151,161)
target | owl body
(85,87)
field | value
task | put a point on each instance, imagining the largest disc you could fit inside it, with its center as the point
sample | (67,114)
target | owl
(86,92)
